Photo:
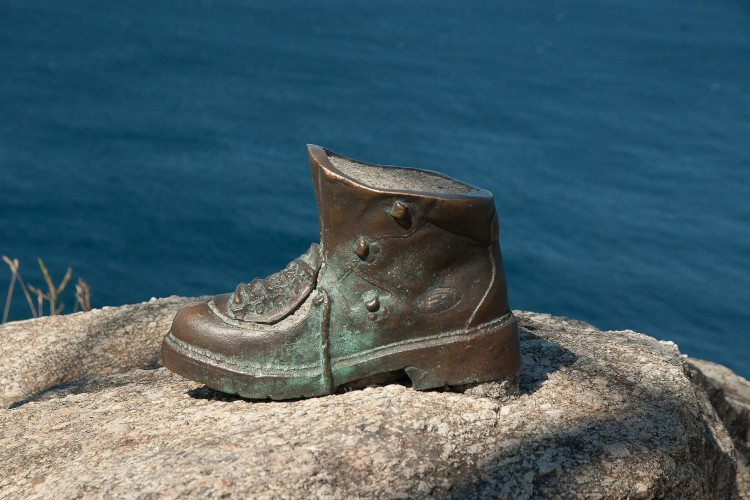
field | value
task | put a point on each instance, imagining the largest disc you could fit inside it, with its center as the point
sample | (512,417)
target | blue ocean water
(157,147)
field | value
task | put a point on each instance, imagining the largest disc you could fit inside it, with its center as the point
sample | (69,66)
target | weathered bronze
(408,276)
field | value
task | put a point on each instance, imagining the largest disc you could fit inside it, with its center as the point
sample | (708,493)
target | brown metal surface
(408,276)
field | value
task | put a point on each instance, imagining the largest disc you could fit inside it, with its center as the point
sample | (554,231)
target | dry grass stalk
(83,296)
(13,265)
(53,291)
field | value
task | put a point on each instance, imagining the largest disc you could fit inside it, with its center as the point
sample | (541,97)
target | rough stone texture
(38,353)
(730,396)
(598,415)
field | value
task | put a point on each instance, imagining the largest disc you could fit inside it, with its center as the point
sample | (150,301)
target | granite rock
(597,415)
(730,396)
(38,353)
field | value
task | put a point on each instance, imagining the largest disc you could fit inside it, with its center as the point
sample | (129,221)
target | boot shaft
(404,250)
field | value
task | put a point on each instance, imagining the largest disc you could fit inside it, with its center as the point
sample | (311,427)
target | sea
(158,147)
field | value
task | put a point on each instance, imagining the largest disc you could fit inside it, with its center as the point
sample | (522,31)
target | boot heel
(488,355)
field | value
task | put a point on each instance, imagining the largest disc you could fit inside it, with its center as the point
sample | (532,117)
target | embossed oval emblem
(437,300)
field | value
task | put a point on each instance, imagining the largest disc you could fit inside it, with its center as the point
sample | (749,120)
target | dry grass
(83,296)
(51,296)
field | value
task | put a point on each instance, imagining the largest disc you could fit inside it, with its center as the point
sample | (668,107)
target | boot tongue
(275,297)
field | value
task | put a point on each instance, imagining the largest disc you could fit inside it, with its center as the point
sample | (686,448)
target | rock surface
(598,415)
(38,353)
(730,396)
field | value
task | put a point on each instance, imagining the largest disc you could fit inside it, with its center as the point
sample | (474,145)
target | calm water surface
(158,147)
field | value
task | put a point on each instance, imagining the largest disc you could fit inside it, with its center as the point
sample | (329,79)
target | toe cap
(197,325)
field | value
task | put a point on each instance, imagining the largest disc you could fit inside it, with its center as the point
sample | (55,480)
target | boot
(407,277)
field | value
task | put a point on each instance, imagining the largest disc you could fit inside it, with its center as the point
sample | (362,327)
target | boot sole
(490,351)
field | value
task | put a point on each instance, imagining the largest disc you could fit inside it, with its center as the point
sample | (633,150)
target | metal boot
(408,276)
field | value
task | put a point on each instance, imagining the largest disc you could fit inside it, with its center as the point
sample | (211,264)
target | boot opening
(410,179)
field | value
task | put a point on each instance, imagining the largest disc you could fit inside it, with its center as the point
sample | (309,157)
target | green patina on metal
(405,279)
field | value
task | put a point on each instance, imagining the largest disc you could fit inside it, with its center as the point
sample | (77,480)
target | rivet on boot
(373,305)
(363,249)
(400,214)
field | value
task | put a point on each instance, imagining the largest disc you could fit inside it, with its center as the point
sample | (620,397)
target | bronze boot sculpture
(408,276)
